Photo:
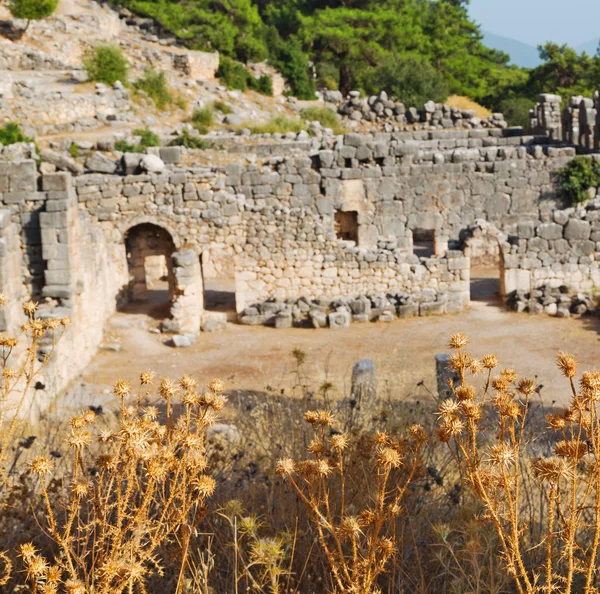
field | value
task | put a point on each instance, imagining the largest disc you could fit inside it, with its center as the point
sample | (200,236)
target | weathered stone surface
(101,163)
(152,164)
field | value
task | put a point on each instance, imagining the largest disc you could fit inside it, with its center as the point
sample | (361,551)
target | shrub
(577,177)
(74,150)
(233,74)
(325,116)
(154,84)
(222,107)
(106,64)
(203,118)
(11,133)
(236,76)
(263,84)
(147,139)
(278,125)
(32,9)
(189,141)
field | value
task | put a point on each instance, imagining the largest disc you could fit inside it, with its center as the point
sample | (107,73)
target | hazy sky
(536,21)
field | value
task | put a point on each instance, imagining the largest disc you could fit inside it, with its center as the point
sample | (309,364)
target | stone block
(23,177)
(101,163)
(409,310)
(171,155)
(339,319)
(57,182)
(54,219)
(432,308)
(283,320)
(318,319)
(577,230)
(550,231)
(58,277)
(516,279)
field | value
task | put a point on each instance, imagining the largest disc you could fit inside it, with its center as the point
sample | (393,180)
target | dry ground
(259,358)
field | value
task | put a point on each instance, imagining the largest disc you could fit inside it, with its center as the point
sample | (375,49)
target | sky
(535,21)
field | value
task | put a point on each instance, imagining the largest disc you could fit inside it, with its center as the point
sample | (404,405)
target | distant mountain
(590,48)
(520,53)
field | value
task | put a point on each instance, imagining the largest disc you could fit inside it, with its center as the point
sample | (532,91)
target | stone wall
(485,193)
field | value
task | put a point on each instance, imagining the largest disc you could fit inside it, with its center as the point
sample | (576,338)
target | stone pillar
(587,123)
(571,120)
(443,375)
(188,299)
(547,118)
(596,100)
(363,391)
(59,241)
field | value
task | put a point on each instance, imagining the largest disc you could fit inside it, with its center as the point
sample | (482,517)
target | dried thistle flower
(41,465)
(418,433)
(285,466)
(458,341)
(526,387)
(502,454)
(29,308)
(146,377)
(216,386)
(389,457)
(567,364)
(465,393)
(490,361)
(339,442)
(552,469)
(121,389)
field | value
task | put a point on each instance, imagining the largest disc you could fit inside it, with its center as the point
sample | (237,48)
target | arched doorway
(151,285)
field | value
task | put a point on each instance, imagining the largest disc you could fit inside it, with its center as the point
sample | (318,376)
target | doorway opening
(218,278)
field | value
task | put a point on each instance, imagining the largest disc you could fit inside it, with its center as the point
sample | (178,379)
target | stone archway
(150,250)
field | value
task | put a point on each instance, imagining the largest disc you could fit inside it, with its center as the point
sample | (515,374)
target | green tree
(410,79)
(32,10)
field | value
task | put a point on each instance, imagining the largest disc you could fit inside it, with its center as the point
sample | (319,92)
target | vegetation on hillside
(415,49)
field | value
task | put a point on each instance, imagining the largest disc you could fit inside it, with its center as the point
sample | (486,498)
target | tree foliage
(577,177)
(414,49)
(32,9)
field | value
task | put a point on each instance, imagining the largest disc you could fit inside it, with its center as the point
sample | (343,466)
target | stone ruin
(317,232)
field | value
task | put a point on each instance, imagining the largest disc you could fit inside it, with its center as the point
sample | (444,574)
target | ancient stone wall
(328,234)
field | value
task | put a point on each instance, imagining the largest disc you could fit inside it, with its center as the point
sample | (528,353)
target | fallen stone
(181,341)
(228,432)
(61,162)
(131,163)
(100,163)
(339,319)
(152,164)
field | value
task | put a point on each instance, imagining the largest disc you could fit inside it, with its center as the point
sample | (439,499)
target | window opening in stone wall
(149,250)
(218,279)
(424,243)
(345,224)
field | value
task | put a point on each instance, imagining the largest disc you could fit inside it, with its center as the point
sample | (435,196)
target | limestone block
(409,310)
(516,279)
(152,164)
(432,308)
(171,155)
(577,230)
(23,177)
(60,182)
(550,231)
(101,163)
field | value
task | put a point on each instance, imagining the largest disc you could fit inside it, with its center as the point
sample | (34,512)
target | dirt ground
(259,358)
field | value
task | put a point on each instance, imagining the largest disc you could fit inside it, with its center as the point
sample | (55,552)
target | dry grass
(466,103)
(152,501)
